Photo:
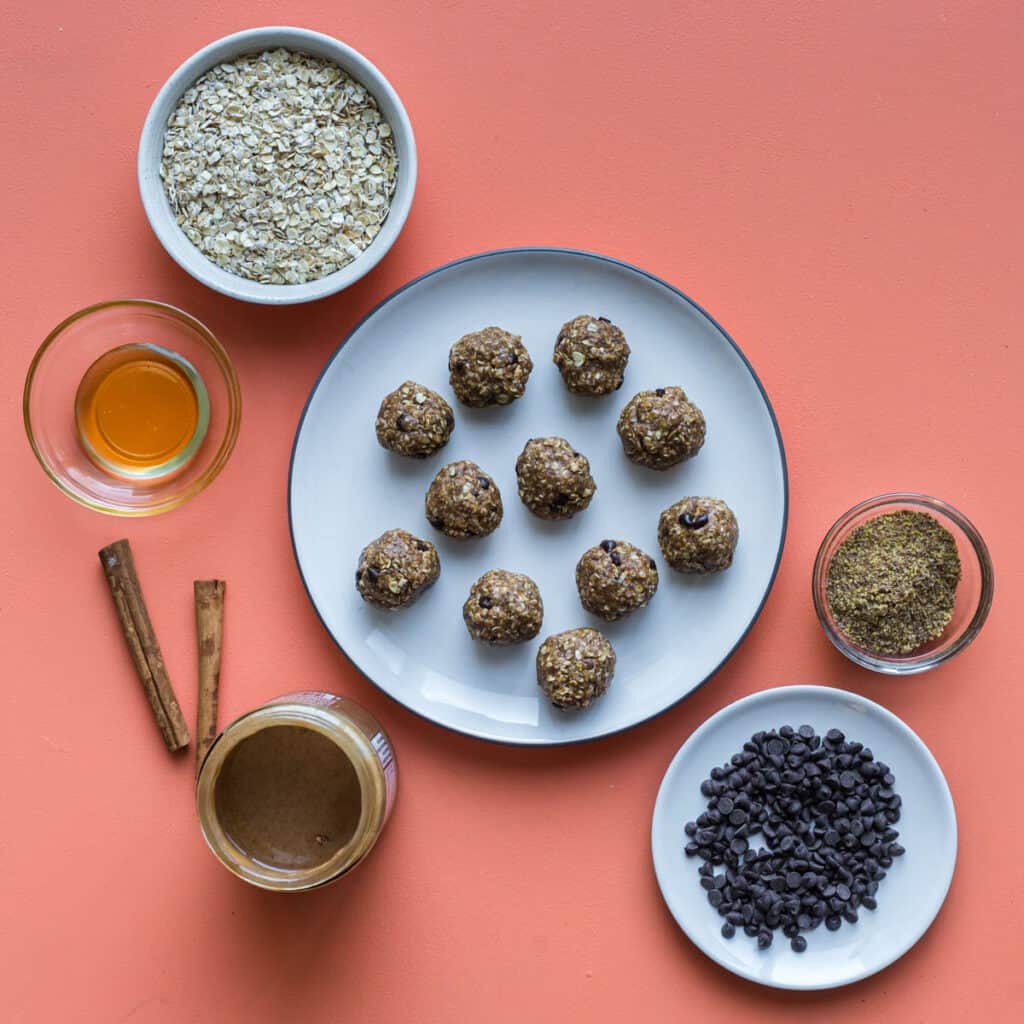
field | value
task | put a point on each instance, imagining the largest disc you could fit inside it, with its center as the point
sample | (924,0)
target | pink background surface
(839,184)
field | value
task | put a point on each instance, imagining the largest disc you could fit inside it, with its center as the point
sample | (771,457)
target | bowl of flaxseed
(277,165)
(902,583)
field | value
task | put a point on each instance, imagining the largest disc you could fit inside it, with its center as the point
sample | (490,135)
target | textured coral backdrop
(838,183)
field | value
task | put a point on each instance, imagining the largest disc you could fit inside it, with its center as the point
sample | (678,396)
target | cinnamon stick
(119,567)
(209,595)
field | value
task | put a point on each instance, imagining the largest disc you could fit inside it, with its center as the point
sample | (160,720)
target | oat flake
(279,167)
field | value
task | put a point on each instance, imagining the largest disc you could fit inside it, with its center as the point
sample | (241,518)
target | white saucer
(908,898)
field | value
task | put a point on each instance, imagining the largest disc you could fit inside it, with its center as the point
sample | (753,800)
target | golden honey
(142,411)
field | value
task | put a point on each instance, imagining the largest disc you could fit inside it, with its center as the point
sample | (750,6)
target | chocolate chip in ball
(692,522)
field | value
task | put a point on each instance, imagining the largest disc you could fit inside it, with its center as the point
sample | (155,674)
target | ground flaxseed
(891,584)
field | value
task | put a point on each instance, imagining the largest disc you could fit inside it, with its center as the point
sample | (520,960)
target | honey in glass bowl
(141,411)
(132,407)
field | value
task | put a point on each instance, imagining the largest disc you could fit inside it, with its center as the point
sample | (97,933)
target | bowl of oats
(277,165)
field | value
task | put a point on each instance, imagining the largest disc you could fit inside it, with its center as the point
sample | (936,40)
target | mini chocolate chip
(513,359)
(405,423)
(560,499)
(653,564)
(604,319)
(485,601)
(449,419)
(692,522)
(372,574)
(437,524)
(660,392)
(422,545)
(359,575)
(616,558)
(459,367)
(607,545)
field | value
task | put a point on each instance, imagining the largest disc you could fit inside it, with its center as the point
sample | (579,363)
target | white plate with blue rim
(345,490)
(908,898)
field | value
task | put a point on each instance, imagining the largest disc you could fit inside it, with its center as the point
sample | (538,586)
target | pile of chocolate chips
(825,810)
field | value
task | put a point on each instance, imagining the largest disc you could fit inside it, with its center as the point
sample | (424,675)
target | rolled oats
(279,167)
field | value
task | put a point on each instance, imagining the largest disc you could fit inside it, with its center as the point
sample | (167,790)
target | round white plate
(345,490)
(909,896)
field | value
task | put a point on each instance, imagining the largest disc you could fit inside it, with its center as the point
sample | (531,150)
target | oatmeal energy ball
(489,367)
(503,608)
(414,421)
(615,578)
(574,668)
(698,535)
(463,501)
(395,569)
(554,479)
(591,353)
(661,428)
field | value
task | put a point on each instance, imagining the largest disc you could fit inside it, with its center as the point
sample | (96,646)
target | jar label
(386,757)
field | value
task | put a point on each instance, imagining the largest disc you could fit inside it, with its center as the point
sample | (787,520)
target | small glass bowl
(52,383)
(973,594)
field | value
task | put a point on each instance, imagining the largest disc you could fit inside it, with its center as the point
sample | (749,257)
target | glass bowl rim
(228,374)
(891,665)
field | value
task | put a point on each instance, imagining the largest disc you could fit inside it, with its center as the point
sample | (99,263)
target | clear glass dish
(52,385)
(973,594)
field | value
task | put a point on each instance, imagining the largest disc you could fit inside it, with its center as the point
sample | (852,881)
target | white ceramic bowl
(158,209)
